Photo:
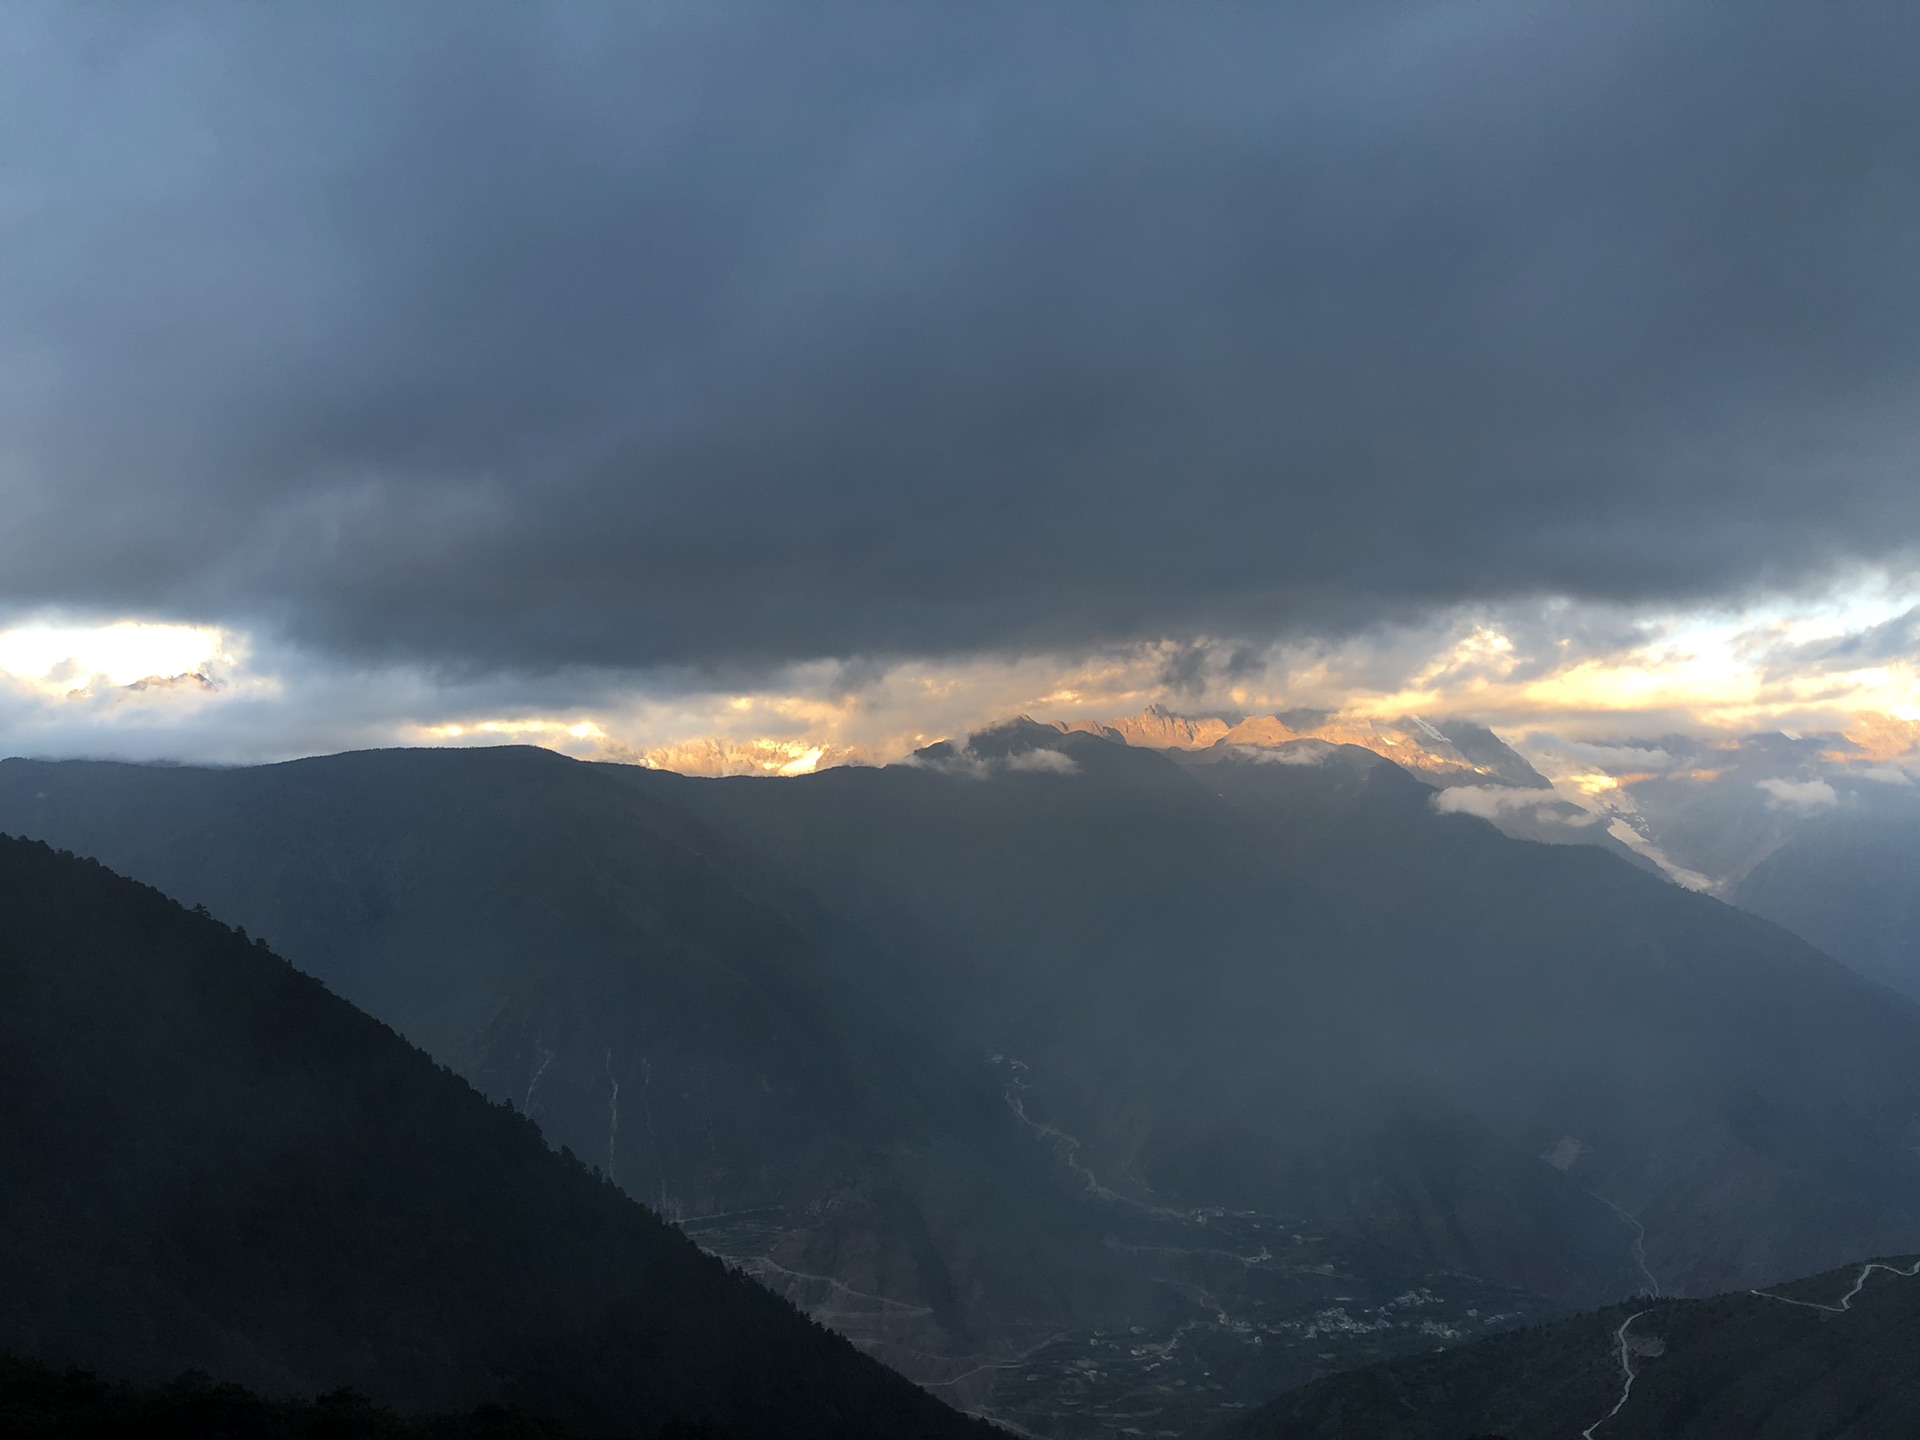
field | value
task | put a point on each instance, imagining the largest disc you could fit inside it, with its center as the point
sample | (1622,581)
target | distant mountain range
(1453,752)
(1820,833)
(1829,1358)
(1704,810)
(208,1163)
(1476,771)
(1850,883)
(1085,1082)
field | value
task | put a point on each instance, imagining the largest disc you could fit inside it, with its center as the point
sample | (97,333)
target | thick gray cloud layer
(509,336)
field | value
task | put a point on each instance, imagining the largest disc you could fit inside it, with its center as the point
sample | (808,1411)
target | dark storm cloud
(516,336)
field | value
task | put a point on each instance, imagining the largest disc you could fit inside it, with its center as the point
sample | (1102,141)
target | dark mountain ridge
(607,963)
(1058,1072)
(1336,941)
(211,1163)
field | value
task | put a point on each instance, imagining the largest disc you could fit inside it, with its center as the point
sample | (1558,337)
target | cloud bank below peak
(526,338)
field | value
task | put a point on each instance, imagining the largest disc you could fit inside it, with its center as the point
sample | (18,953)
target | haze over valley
(729,721)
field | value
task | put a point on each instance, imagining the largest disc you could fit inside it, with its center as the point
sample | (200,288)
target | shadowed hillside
(211,1163)
(1827,1358)
(1084,1083)
(1851,885)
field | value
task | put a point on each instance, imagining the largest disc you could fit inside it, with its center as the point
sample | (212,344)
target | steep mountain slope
(1699,1069)
(1130,942)
(606,963)
(1851,885)
(1281,985)
(1828,1358)
(206,1161)
(1286,986)
(1714,807)
(1090,1082)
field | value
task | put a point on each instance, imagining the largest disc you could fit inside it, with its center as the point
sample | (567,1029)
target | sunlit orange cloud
(535,730)
(1715,674)
(1521,670)
(1726,674)
(1877,739)
(817,724)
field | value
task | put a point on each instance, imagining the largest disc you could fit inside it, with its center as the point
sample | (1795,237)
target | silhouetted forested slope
(1828,1358)
(40,1402)
(611,965)
(206,1161)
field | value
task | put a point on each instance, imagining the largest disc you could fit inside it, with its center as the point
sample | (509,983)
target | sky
(763,386)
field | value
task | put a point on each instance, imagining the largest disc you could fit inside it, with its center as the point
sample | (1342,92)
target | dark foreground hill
(1828,1358)
(208,1162)
(612,966)
(41,1402)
